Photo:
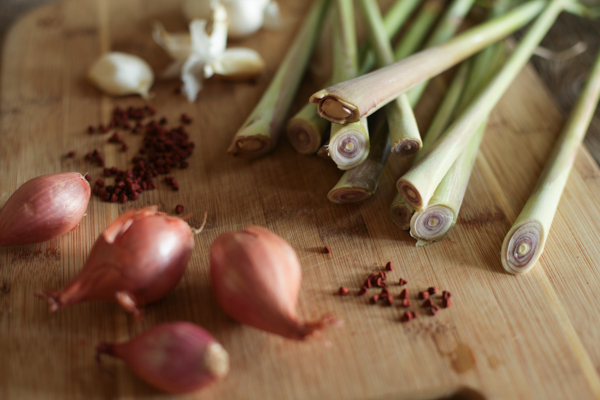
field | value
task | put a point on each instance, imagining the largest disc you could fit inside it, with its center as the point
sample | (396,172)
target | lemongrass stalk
(348,144)
(439,218)
(419,183)
(394,19)
(351,100)
(445,30)
(306,130)
(403,129)
(525,241)
(401,212)
(360,183)
(419,29)
(259,134)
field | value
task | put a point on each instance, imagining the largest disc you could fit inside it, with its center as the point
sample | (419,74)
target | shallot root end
(127,301)
(53,300)
(103,348)
(196,231)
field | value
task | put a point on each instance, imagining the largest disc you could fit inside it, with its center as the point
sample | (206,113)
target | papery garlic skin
(121,74)
(245,16)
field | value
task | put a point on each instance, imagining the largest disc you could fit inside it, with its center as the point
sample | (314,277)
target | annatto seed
(402,282)
(428,303)
(389,266)
(434,309)
(327,250)
(432,290)
(406,317)
(446,303)
(406,303)
(446,294)
(423,295)
(375,298)
(343,291)
(404,294)
(179,209)
(362,291)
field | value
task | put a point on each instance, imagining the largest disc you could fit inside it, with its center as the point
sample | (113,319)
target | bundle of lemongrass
(336,123)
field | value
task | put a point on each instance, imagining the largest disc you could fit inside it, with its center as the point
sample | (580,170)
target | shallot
(44,208)
(256,277)
(138,259)
(177,357)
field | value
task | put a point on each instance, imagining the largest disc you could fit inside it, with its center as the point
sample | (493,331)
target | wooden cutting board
(506,337)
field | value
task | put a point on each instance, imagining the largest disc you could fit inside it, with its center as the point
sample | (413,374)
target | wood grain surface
(506,337)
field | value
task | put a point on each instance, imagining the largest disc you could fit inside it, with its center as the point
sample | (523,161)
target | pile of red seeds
(163,150)
(378,280)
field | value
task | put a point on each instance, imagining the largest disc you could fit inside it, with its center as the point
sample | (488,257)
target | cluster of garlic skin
(197,54)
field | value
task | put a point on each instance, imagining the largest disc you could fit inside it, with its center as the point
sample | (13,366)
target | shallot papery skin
(176,357)
(44,208)
(256,278)
(138,259)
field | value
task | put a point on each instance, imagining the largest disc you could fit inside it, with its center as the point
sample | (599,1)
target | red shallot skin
(138,259)
(256,278)
(44,208)
(177,357)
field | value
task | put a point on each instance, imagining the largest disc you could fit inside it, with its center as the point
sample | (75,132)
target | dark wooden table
(563,78)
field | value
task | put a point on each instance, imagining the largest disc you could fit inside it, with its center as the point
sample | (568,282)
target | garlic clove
(272,17)
(192,76)
(121,74)
(239,64)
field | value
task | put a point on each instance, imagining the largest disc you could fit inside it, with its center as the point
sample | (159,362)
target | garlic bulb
(245,16)
(121,74)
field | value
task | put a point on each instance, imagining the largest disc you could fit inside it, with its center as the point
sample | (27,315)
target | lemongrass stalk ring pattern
(523,248)
(432,224)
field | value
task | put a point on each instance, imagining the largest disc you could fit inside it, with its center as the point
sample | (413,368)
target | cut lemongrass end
(410,194)
(401,212)
(349,144)
(432,224)
(251,141)
(334,109)
(523,246)
(360,183)
(370,92)
(306,130)
(348,195)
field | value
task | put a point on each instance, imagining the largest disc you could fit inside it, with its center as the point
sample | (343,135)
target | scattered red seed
(103,128)
(115,138)
(428,303)
(414,314)
(389,266)
(434,309)
(362,291)
(375,298)
(383,275)
(178,208)
(124,147)
(384,292)
(423,295)
(368,284)
(433,290)
(327,250)
(406,303)
(446,303)
(404,294)
(446,294)
(380,283)
(343,291)
(186,119)
(402,282)
(88,177)
(71,154)
(389,300)
(407,316)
